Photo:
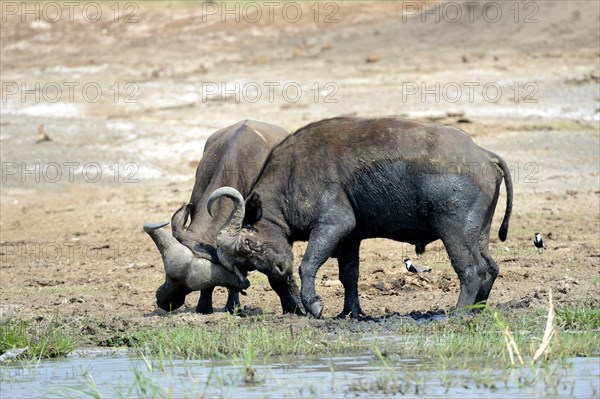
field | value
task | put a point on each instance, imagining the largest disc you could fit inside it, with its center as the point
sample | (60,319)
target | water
(113,374)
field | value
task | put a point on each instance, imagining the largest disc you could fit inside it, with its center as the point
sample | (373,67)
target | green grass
(460,337)
(480,345)
(489,346)
(43,340)
(467,336)
(482,339)
(260,338)
(578,318)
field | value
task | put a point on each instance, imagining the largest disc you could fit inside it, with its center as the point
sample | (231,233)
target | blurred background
(146,82)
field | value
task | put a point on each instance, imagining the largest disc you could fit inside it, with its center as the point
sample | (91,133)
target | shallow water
(110,374)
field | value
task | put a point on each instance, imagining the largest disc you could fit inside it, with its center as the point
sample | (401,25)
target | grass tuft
(578,318)
(44,340)
(261,338)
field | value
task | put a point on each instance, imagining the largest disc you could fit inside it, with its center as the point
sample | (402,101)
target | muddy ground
(72,207)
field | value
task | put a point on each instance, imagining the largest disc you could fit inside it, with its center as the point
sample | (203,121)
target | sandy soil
(72,207)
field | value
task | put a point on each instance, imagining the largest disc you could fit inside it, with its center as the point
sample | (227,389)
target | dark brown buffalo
(232,156)
(336,182)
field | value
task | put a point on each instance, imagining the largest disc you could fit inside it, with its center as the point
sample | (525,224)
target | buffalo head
(186,272)
(252,246)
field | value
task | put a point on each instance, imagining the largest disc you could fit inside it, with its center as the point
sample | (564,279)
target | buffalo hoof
(233,303)
(315,308)
(234,310)
(351,314)
(292,308)
(204,305)
(299,312)
(204,308)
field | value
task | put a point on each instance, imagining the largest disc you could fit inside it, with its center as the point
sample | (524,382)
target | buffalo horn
(176,256)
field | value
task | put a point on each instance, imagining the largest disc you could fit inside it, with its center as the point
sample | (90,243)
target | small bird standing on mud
(415,268)
(538,241)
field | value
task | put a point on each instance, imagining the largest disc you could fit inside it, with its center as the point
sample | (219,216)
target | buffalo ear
(180,219)
(253,209)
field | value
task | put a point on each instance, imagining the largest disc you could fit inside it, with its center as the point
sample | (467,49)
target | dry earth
(74,249)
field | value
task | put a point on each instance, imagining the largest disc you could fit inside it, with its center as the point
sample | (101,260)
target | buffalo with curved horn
(232,156)
(336,182)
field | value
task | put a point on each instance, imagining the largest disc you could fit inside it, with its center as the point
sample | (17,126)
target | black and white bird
(538,241)
(415,268)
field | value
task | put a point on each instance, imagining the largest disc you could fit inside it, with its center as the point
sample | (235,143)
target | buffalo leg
(233,301)
(349,271)
(492,269)
(467,262)
(462,245)
(288,293)
(205,302)
(490,277)
(464,231)
(324,240)
(466,267)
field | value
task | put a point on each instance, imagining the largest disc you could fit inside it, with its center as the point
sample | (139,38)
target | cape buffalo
(232,156)
(336,182)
